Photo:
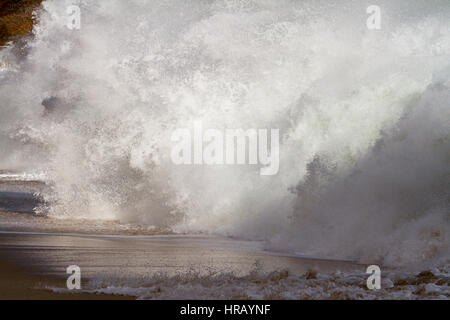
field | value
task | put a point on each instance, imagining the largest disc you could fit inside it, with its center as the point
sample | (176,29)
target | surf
(363,118)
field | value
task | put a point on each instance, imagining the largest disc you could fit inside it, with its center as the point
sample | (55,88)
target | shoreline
(13,221)
(20,284)
(183,267)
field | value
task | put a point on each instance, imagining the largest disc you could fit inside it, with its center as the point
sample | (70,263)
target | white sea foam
(364,117)
(278,285)
(25,177)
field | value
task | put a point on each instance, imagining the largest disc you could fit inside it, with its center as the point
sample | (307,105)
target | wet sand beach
(33,266)
(42,259)
(19,283)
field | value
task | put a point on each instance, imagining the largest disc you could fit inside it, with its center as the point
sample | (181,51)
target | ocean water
(364,119)
(205,267)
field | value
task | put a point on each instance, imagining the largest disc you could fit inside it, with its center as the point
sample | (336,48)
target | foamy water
(364,118)
(22,177)
(277,285)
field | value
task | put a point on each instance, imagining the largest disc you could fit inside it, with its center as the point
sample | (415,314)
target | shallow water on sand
(137,256)
(199,267)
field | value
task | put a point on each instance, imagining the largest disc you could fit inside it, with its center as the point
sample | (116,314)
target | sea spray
(363,117)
